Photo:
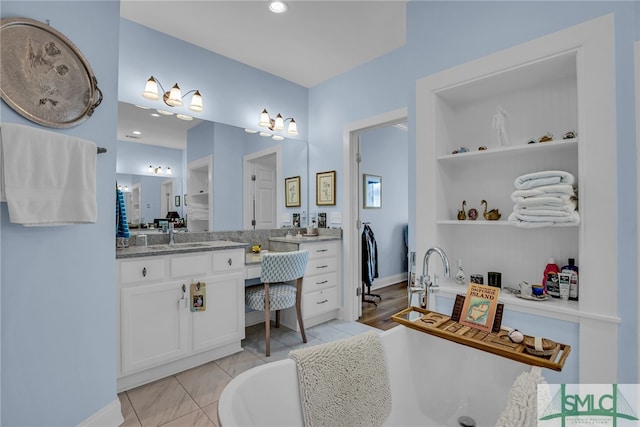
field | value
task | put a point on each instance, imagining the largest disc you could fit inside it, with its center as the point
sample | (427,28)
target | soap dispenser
(460,276)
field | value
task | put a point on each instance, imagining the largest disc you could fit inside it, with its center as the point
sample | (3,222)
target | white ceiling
(313,41)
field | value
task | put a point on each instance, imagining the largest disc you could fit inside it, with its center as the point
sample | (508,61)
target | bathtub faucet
(425,279)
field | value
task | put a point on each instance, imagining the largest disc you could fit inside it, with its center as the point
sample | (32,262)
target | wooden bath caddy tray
(497,343)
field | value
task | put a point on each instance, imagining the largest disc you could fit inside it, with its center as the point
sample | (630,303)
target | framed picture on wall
(326,188)
(177,201)
(292,191)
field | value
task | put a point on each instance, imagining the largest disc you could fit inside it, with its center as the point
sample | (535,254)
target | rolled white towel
(546,190)
(559,200)
(545,209)
(531,221)
(543,178)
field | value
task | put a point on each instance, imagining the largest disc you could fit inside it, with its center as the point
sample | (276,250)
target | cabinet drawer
(321,266)
(320,250)
(228,260)
(322,281)
(147,270)
(319,302)
(191,265)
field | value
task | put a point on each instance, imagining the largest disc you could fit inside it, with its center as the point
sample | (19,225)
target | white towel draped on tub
(47,178)
(344,383)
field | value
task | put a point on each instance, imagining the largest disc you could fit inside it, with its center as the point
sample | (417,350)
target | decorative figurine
(546,137)
(569,135)
(461,215)
(492,215)
(472,214)
(499,124)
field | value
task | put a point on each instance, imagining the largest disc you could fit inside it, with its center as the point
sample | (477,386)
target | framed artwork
(372,191)
(185,199)
(177,200)
(292,191)
(326,188)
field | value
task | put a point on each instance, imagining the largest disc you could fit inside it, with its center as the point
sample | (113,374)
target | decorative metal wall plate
(43,75)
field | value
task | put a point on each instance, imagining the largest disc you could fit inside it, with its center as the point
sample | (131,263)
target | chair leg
(299,308)
(267,319)
(277,318)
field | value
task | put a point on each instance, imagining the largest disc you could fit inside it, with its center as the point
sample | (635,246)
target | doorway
(352,201)
(166,198)
(262,195)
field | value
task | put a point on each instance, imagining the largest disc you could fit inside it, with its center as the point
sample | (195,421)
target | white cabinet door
(153,326)
(223,320)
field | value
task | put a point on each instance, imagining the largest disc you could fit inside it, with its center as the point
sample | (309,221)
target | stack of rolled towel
(544,198)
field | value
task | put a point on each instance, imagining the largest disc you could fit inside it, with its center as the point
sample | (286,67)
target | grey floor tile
(353,328)
(129,415)
(161,401)
(212,413)
(197,418)
(327,333)
(204,383)
(237,363)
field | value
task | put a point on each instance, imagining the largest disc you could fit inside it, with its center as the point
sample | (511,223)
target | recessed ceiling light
(277,137)
(250,131)
(184,117)
(154,115)
(278,6)
(136,132)
(143,107)
(165,112)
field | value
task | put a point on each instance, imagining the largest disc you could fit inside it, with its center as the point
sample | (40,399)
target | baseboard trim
(109,416)
(381,282)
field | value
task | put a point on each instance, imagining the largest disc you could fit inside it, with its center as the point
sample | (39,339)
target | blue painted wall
(384,152)
(444,34)
(58,294)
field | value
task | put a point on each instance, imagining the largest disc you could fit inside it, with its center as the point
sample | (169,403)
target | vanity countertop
(304,239)
(166,249)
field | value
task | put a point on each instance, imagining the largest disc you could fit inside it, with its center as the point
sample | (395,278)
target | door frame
(246,184)
(351,256)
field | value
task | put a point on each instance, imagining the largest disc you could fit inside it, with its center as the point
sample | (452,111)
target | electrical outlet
(336,217)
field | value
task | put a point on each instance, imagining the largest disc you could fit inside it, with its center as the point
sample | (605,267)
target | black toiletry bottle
(572,269)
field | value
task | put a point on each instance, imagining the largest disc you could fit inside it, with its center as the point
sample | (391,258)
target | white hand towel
(531,221)
(542,209)
(47,178)
(546,190)
(559,200)
(542,178)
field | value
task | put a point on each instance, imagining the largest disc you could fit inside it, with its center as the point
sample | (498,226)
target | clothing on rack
(122,226)
(369,256)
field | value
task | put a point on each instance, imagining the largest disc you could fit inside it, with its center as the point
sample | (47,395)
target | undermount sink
(176,246)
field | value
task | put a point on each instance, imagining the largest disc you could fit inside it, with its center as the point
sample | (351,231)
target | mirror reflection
(221,176)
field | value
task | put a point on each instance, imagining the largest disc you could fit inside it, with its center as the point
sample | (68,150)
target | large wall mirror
(248,171)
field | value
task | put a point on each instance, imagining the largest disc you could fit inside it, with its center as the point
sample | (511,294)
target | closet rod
(101,150)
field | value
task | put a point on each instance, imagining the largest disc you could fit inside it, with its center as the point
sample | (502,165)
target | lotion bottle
(572,269)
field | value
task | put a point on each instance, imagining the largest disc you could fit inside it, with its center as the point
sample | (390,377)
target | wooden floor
(394,299)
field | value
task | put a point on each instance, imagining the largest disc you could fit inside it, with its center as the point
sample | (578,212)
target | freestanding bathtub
(433,383)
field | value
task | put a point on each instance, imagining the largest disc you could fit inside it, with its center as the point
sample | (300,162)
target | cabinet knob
(144,272)
(230,261)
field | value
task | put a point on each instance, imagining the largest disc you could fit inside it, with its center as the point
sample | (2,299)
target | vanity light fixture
(278,6)
(277,123)
(157,170)
(172,98)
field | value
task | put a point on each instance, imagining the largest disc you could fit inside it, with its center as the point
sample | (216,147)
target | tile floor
(190,398)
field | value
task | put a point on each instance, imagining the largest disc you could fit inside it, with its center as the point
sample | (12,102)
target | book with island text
(480,305)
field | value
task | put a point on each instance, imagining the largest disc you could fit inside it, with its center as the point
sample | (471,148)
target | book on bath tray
(480,306)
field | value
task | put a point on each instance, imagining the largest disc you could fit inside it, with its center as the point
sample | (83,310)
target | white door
(166,198)
(261,191)
(265,196)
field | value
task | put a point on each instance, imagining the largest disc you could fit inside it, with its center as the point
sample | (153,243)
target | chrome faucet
(425,279)
(171,242)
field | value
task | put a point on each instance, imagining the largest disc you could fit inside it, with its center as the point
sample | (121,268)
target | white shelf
(548,147)
(500,223)
(554,308)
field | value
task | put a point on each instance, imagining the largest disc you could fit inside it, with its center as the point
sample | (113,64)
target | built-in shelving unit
(199,200)
(560,83)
